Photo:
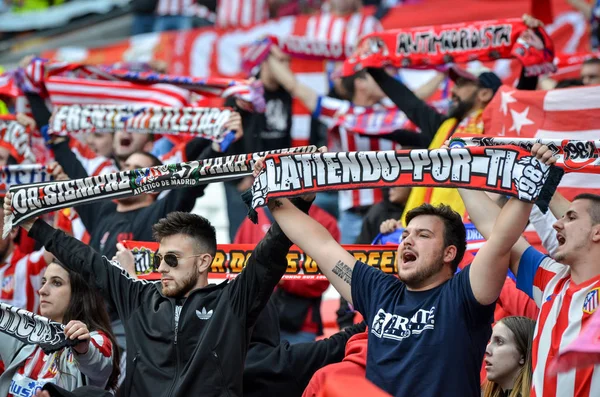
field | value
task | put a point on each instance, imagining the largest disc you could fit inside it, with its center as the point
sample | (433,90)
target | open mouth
(126,141)
(408,257)
(561,240)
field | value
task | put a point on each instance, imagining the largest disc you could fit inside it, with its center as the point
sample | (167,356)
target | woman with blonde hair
(508,358)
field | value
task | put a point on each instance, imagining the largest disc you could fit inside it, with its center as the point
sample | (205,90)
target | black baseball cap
(483,76)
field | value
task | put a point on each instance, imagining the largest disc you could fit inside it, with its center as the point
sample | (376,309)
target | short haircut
(348,82)
(592,61)
(594,209)
(454,229)
(192,225)
(155,161)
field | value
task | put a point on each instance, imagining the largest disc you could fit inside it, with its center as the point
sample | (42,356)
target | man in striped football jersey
(566,288)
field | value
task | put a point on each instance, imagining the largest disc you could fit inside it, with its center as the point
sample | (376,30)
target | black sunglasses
(171,259)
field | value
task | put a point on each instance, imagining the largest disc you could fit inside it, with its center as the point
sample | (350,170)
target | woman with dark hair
(508,358)
(66,298)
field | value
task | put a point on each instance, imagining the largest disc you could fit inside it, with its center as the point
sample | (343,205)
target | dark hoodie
(275,368)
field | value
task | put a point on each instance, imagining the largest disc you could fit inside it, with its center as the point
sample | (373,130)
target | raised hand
(8,211)
(57,172)
(126,259)
(543,154)
(531,22)
(389,226)
(235,124)
(76,330)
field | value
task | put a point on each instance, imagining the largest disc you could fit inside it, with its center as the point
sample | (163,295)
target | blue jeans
(172,22)
(350,224)
(298,337)
(142,23)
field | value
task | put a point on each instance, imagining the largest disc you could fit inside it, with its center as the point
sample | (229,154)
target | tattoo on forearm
(274,203)
(343,271)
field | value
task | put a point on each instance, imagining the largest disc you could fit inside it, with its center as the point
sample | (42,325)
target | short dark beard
(188,285)
(460,110)
(418,279)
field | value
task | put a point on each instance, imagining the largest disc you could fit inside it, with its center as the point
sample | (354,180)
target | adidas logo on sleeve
(204,315)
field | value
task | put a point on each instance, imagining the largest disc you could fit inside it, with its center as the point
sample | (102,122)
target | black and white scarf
(505,170)
(33,329)
(33,200)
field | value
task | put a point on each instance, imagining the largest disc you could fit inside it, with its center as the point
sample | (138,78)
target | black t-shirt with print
(269,130)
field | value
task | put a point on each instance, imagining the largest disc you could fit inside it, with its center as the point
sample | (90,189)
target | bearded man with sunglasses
(184,336)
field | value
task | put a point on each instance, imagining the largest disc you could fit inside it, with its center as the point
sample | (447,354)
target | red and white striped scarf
(73,83)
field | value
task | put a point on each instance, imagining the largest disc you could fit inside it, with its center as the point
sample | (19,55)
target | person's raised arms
(488,270)
(285,77)
(334,261)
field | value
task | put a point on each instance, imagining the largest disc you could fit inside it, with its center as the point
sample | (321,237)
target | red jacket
(250,233)
(353,365)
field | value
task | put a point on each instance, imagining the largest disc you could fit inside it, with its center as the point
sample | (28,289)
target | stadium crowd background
(302,98)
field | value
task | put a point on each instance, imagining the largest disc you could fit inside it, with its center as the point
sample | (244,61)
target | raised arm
(484,212)
(419,112)
(559,205)
(89,213)
(430,87)
(109,278)
(285,77)
(183,199)
(334,262)
(489,269)
(252,289)
(582,6)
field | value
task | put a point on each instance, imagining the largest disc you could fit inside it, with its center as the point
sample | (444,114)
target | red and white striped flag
(239,13)
(570,114)
(72,83)
(71,91)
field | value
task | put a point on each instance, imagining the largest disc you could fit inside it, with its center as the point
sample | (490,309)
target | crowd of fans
(164,15)
(449,323)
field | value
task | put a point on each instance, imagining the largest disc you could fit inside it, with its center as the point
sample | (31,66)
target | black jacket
(373,219)
(275,368)
(205,354)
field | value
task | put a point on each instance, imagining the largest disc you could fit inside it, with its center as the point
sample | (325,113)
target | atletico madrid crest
(592,301)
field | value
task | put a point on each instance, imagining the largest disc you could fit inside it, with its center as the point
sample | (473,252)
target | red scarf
(51,79)
(16,138)
(432,46)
